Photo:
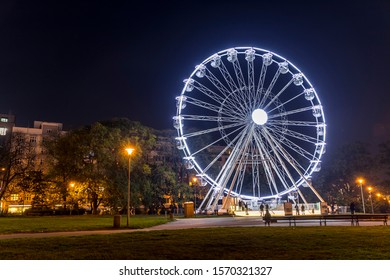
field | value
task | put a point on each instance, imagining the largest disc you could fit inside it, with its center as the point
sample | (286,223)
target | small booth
(188,209)
(288,210)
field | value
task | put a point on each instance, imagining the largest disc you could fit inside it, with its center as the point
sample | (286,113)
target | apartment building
(32,152)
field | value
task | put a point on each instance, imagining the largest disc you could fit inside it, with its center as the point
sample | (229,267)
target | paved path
(250,221)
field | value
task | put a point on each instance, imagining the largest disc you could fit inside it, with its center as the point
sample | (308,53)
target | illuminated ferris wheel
(251,125)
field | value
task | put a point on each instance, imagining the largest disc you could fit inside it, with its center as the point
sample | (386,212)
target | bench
(323,219)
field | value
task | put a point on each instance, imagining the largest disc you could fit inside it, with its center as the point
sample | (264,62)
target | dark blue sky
(84,61)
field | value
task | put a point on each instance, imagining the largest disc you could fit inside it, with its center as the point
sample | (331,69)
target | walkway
(248,221)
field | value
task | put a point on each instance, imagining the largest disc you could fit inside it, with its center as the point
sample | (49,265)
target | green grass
(283,243)
(72,223)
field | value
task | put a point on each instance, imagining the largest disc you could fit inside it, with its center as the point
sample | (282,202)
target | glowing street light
(129,152)
(361,181)
(370,192)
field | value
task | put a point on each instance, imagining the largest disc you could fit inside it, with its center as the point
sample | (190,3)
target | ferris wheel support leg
(206,198)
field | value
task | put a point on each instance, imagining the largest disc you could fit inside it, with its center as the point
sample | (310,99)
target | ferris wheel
(250,125)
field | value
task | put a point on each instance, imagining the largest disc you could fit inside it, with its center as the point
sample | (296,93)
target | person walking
(352,207)
(267,218)
(303,209)
(297,209)
(261,210)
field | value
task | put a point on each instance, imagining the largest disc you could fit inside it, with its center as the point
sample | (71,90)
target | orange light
(360,180)
(369,189)
(194,179)
(71,184)
(129,151)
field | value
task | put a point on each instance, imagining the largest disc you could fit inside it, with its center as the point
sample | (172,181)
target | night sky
(84,61)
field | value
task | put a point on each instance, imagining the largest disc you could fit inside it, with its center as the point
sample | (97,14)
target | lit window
(14,197)
(3,130)
(4,119)
(27,197)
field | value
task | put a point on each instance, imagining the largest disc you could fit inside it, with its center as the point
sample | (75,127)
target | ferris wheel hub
(259,116)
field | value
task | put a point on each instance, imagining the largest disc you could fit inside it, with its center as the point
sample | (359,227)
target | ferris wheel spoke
(297,167)
(286,102)
(202,104)
(210,118)
(231,83)
(266,160)
(278,94)
(206,131)
(277,153)
(297,111)
(260,84)
(290,159)
(269,165)
(230,164)
(295,134)
(239,76)
(251,82)
(239,169)
(219,85)
(293,123)
(298,149)
(270,87)
(216,141)
(208,92)
(231,144)
(234,155)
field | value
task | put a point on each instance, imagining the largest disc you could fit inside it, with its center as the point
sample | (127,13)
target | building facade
(27,152)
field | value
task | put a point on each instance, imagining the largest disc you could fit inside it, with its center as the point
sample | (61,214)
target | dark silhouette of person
(352,207)
(262,210)
(296,209)
(267,218)
(303,209)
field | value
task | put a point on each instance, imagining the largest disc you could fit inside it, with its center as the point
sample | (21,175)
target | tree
(337,179)
(17,157)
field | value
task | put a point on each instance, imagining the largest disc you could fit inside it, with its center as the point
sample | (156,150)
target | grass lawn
(284,243)
(72,223)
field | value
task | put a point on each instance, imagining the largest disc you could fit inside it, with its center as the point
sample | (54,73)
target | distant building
(7,122)
(32,153)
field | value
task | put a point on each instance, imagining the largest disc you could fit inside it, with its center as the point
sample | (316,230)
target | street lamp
(360,181)
(129,152)
(370,192)
(195,181)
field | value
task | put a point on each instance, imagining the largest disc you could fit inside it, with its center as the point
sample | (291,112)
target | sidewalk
(182,223)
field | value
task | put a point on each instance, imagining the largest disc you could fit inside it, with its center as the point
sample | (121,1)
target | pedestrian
(352,207)
(297,209)
(267,218)
(262,210)
(332,208)
(246,208)
(303,209)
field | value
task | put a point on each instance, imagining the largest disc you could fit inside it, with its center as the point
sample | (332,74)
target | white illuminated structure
(251,125)
(259,116)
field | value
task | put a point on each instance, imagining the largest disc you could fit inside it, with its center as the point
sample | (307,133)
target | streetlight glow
(129,151)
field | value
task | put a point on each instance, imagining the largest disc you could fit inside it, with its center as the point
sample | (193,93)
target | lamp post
(129,152)
(360,181)
(370,193)
(195,181)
